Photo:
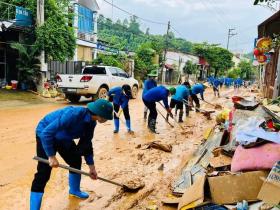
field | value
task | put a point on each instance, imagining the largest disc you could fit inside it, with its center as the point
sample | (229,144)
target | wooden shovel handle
(77,171)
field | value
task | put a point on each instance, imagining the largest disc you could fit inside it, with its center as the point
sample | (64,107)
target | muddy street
(120,157)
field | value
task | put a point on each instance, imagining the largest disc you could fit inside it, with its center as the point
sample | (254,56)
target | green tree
(28,63)
(143,60)
(56,36)
(134,26)
(190,68)
(234,73)
(219,58)
(246,69)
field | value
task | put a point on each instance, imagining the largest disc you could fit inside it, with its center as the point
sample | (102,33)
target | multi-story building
(85,24)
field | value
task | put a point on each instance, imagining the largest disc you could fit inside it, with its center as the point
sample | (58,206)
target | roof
(270,26)
(168,66)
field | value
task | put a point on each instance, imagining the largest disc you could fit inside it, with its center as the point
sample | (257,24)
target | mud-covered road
(117,157)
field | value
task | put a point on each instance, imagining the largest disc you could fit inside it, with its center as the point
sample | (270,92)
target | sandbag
(256,158)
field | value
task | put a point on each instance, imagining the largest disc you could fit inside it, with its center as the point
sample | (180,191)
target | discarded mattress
(256,158)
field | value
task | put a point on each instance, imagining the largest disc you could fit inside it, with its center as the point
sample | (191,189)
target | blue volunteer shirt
(118,97)
(65,125)
(157,94)
(196,89)
(182,92)
(216,83)
(149,84)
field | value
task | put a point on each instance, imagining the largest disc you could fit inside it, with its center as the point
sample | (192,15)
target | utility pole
(230,34)
(165,50)
(40,22)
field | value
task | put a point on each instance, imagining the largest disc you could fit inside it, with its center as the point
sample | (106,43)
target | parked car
(95,81)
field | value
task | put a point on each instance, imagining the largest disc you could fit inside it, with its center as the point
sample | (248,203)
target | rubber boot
(74,186)
(128,126)
(117,125)
(35,200)
(152,125)
(187,110)
(197,106)
(181,116)
(145,116)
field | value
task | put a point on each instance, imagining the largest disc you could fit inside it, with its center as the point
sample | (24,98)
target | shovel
(217,106)
(132,188)
(172,126)
(172,118)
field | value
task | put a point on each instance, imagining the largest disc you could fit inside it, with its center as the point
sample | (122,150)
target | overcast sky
(196,20)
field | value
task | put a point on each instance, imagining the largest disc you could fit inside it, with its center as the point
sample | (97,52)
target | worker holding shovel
(149,84)
(150,98)
(197,89)
(56,133)
(182,93)
(120,97)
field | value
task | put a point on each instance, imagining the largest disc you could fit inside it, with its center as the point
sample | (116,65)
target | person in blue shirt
(148,84)
(222,81)
(237,83)
(216,85)
(120,97)
(56,133)
(181,96)
(157,94)
(197,89)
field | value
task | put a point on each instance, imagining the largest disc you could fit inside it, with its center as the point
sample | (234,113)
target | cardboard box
(230,189)
(194,195)
(270,190)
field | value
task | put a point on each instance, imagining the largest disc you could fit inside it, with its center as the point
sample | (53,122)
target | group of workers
(182,95)
(217,83)
(56,132)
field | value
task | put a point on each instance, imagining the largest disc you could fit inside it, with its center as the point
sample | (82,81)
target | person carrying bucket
(120,97)
(56,133)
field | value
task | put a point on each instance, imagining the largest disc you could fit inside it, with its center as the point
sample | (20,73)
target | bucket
(14,84)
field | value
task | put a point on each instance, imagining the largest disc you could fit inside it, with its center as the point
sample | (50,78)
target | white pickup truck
(94,81)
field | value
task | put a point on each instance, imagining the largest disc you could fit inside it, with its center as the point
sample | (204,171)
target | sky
(196,20)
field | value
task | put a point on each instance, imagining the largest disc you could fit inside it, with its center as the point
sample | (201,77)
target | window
(94,70)
(122,73)
(85,19)
(113,71)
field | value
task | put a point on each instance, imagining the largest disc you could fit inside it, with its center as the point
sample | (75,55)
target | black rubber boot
(152,125)
(187,110)
(181,116)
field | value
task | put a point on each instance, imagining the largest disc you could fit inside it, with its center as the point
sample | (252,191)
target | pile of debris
(238,166)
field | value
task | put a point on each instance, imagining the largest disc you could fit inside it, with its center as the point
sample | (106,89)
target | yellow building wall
(84,53)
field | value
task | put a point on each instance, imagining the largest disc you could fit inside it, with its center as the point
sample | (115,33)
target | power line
(177,31)
(141,18)
(208,8)
(131,14)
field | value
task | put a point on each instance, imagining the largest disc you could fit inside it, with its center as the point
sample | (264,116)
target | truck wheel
(102,93)
(134,91)
(73,98)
